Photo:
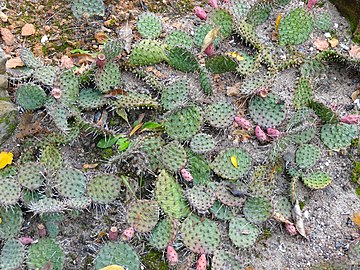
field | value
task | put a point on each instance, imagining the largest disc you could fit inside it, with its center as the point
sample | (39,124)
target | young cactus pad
(162,234)
(11,222)
(317,180)
(12,255)
(242,233)
(104,188)
(143,215)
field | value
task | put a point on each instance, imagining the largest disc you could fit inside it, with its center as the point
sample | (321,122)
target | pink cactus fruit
(56,92)
(262,92)
(127,234)
(242,122)
(273,133)
(113,234)
(210,50)
(172,256)
(213,3)
(200,12)
(290,227)
(350,119)
(260,135)
(311,4)
(186,175)
(100,60)
(25,240)
(201,263)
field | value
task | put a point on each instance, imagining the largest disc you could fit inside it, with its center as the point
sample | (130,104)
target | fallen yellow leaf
(136,128)
(235,55)
(210,37)
(234,161)
(113,267)
(333,42)
(277,22)
(5,159)
(356,219)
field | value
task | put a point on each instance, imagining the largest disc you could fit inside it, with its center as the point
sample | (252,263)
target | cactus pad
(303,93)
(112,49)
(149,25)
(317,180)
(51,157)
(202,143)
(225,260)
(104,188)
(107,77)
(305,135)
(30,97)
(257,209)
(223,193)
(224,167)
(173,156)
(178,38)
(11,222)
(242,233)
(200,198)
(307,155)
(30,175)
(169,196)
(28,58)
(181,59)
(46,250)
(183,123)
(338,136)
(268,111)
(152,148)
(12,255)
(9,191)
(143,215)
(221,211)
(119,254)
(220,64)
(201,33)
(205,81)
(220,115)
(174,95)
(147,52)
(81,8)
(224,20)
(162,235)
(91,98)
(70,182)
(47,205)
(199,168)
(200,236)
(45,75)
(135,101)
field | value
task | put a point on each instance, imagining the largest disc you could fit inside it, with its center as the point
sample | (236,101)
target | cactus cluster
(43,252)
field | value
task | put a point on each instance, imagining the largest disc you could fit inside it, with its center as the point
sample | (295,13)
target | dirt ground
(328,212)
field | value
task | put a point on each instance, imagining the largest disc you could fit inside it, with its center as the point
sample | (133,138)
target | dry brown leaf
(7,37)
(81,69)
(66,62)
(125,34)
(101,37)
(14,62)
(333,42)
(90,166)
(210,37)
(321,44)
(81,58)
(27,30)
(355,95)
(299,221)
(356,219)
(355,51)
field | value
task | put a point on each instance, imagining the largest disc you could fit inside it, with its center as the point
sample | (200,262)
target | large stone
(8,120)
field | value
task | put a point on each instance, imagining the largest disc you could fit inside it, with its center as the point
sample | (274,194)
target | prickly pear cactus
(202,143)
(117,254)
(149,25)
(200,236)
(104,188)
(9,191)
(70,182)
(163,233)
(257,209)
(178,38)
(231,163)
(220,64)
(220,115)
(225,260)
(143,215)
(205,81)
(147,52)
(12,255)
(46,205)
(317,180)
(28,58)
(307,155)
(181,59)
(174,95)
(199,168)
(51,158)
(91,98)
(224,20)
(112,49)
(223,192)
(87,8)
(338,136)
(151,146)
(46,250)
(135,101)
(169,195)
(201,33)
(305,135)
(30,97)
(303,93)
(45,75)
(11,222)
(108,77)
(30,175)
(221,211)
(173,156)
(296,27)
(242,233)
(200,198)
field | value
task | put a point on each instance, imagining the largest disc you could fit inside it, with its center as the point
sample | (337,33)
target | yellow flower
(5,159)
(113,267)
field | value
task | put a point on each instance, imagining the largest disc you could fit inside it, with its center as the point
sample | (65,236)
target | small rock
(327,34)
(38,50)
(3,17)
(7,37)
(28,30)
(14,62)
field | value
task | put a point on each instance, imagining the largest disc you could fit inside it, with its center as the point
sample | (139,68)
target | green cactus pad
(135,101)
(45,75)
(205,81)
(151,146)
(163,233)
(305,135)
(51,157)
(173,156)
(222,19)
(60,113)
(246,66)
(81,8)
(311,67)
(202,143)
(323,21)
(12,255)
(149,25)
(223,166)
(259,13)
(70,182)
(223,193)
(104,188)
(11,222)
(225,260)
(46,205)
(201,33)
(317,180)
(200,197)
(107,77)
(201,236)
(169,196)
(78,203)
(181,59)
(323,112)
(178,38)
(296,27)
(112,49)
(9,191)
(221,211)
(252,83)
(28,58)
(69,85)
(30,175)
(91,98)
(143,215)
(242,233)
(46,250)
(30,97)
(147,52)
(283,207)
(220,115)
(220,64)
(247,32)
(268,111)
(119,254)
(307,155)
(257,209)
(183,123)
(338,136)
(174,95)
(199,168)
(303,93)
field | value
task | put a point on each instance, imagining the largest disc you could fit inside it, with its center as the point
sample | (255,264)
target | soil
(328,212)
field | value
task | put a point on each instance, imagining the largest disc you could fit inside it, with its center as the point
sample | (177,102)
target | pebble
(328,35)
